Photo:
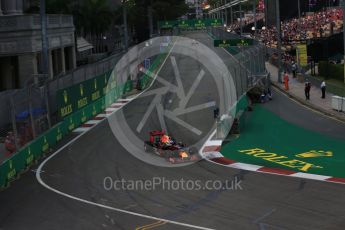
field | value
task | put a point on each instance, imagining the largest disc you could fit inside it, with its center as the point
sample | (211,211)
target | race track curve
(78,170)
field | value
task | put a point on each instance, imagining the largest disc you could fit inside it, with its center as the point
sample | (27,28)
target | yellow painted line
(157,225)
(150,226)
(307,107)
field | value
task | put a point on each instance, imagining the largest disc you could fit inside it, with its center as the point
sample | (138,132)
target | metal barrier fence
(11,168)
(34,112)
(26,113)
(19,162)
(248,65)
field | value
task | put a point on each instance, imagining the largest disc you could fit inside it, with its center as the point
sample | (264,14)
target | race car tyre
(147,148)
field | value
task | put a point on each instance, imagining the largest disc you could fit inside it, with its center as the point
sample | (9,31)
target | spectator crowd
(315,25)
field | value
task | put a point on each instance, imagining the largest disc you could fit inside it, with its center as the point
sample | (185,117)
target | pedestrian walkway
(296,90)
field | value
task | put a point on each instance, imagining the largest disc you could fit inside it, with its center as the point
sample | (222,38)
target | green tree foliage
(169,9)
(90,16)
(162,10)
(60,6)
(94,17)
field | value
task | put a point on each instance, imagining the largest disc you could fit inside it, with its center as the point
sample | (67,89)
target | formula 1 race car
(165,146)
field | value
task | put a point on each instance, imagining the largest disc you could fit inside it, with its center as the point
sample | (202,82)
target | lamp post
(149,10)
(44,56)
(125,29)
(241,26)
(226,13)
(254,14)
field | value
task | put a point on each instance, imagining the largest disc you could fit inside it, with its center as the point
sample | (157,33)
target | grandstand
(313,25)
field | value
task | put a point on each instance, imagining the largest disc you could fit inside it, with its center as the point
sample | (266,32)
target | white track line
(39,179)
(111,109)
(102,115)
(310,176)
(92,122)
(214,142)
(244,166)
(81,129)
(117,104)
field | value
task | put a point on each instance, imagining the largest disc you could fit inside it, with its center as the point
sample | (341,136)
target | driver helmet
(165,139)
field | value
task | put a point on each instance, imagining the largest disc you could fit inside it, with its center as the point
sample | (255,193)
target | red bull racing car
(165,146)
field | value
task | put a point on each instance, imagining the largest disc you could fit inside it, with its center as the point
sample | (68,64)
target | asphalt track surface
(307,119)
(264,202)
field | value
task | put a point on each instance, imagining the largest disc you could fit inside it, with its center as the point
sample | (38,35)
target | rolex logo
(314,153)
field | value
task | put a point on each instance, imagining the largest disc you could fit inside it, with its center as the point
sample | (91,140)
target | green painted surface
(270,141)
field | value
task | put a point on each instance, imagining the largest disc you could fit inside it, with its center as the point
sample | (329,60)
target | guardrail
(36,149)
(248,70)
(31,153)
